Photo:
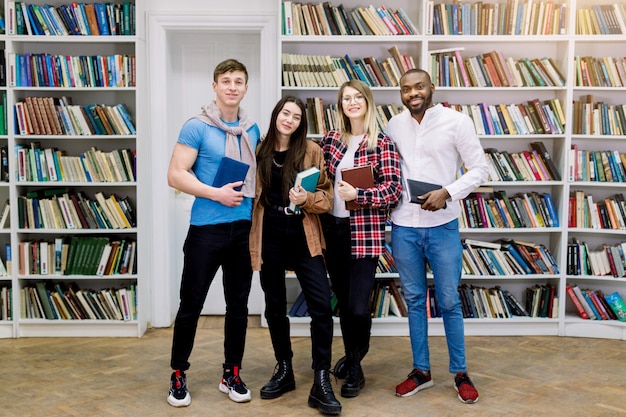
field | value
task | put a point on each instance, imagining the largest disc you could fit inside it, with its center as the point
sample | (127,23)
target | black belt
(285,210)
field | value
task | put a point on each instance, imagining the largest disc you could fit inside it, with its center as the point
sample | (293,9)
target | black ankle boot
(322,396)
(355,380)
(282,381)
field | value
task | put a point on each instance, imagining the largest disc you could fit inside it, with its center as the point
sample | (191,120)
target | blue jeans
(440,247)
(206,249)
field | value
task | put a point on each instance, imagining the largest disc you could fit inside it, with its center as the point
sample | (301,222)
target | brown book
(397,56)
(32,115)
(358,177)
(500,68)
(542,116)
(90,11)
(395,292)
(53,116)
(47,129)
(379,75)
(491,71)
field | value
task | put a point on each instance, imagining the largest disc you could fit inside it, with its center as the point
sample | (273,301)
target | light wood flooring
(516,376)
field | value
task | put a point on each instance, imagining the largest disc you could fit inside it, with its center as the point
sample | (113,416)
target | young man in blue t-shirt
(219,229)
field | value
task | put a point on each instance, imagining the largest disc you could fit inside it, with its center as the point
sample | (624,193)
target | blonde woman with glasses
(355,238)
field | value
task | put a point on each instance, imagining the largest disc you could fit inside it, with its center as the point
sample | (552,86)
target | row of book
(59,208)
(4,163)
(45,70)
(534,117)
(326,71)
(76,18)
(326,19)
(6,302)
(386,264)
(607,213)
(449,68)
(494,209)
(507,257)
(78,255)
(608,260)
(601,19)
(594,305)
(534,165)
(598,166)
(58,116)
(599,118)
(58,301)
(513,17)
(93,165)
(600,72)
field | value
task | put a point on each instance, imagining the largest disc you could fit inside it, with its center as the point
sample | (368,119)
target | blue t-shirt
(210,143)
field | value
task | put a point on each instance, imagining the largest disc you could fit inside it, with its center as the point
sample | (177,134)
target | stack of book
(45,70)
(598,118)
(58,116)
(481,302)
(326,19)
(507,257)
(600,72)
(78,255)
(534,165)
(326,71)
(58,301)
(601,19)
(97,19)
(609,260)
(94,165)
(59,208)
(531,17)
(387,299)
(491,69)
(607,213)
(598,166)
(594,305)
(494,209)
(532,117)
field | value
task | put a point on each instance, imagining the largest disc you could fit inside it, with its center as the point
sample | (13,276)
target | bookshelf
(62,167)
(561,41)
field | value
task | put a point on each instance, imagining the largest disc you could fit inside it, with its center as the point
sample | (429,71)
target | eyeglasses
(357,99)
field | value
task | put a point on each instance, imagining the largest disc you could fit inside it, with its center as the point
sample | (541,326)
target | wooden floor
(516,376)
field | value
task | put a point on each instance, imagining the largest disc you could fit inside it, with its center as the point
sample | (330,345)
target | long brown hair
(294,160)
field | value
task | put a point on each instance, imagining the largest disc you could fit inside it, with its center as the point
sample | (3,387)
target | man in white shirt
(433,141)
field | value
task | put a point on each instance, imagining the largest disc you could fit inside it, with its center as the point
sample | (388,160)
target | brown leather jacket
(316,203)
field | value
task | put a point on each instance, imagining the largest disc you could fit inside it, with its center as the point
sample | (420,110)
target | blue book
(551,209)
(230,170)
(126,117)
(102,19)
(517,256)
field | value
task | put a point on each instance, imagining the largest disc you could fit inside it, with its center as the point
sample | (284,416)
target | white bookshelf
(132,45)
(562,49)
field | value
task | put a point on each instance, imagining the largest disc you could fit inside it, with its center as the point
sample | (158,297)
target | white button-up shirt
(433,151)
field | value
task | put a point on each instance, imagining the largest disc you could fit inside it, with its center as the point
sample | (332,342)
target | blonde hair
(343,121)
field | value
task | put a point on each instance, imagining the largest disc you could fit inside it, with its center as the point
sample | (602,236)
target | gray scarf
(211,115)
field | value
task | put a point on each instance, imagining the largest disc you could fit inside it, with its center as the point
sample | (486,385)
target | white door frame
(162,280)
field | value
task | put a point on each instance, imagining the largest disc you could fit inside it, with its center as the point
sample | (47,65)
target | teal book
(306,179)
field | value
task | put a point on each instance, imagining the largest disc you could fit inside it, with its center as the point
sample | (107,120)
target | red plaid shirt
(367,224)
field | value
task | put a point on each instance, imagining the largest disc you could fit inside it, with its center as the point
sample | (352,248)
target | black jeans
(207,248)
(352,281)
(284,248)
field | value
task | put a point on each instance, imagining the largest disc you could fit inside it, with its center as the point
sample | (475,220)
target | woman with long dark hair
(283,239)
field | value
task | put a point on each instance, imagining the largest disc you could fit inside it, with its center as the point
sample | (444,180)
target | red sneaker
(464,386)
(416,381)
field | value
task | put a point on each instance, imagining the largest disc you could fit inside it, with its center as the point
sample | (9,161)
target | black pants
(352,281)
(207,248)
(284,248)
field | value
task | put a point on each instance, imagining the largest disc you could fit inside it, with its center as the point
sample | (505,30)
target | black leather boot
(355,380)
(322,396)
(282,381)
